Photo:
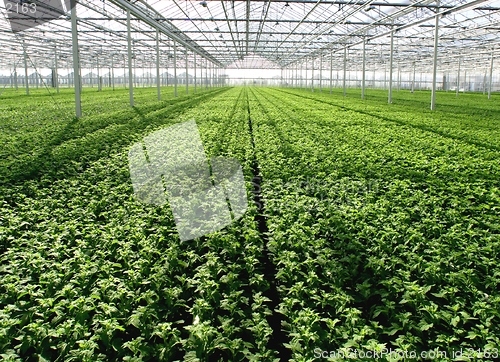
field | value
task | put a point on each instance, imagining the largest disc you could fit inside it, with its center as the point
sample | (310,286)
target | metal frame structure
(204,37)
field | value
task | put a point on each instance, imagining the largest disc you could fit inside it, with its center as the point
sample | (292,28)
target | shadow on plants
(402,123)
(68,155)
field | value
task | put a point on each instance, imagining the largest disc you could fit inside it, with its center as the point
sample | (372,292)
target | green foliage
(384,220)
(383,227)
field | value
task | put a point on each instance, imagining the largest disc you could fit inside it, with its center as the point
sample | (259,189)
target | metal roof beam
(397,28)
(374,3)
(171,32)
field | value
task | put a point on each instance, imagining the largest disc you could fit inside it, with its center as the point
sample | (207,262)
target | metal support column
(175,69)
(307,77)
(124,72)
(99,85)
(37,77)
(484,83)
(206,74)
(345,70)
(304,77)
(296,74)
(195,77)
(210,75)
(26,69)
(491,76)
(299,83)
(399,78)
(320,71)
(465,80)
(296,78)
(56,68)
(76,61)
(187,74)
(331,71)
(434,65)
(15,73)
(413,81)
(389,100)
(312,75)
(158,88)
(363,76)
(129,47)
(458,76)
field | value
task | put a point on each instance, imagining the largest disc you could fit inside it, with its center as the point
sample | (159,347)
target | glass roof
(259,34)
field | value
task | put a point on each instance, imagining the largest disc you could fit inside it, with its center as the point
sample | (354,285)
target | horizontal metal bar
(365,3)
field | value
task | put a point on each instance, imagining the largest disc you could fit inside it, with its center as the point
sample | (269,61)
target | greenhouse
(249,180)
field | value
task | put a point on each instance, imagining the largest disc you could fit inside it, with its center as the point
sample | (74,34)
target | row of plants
(385,235)
(27,123)
(231,297)
(470,118)
(43,108)
(56,148)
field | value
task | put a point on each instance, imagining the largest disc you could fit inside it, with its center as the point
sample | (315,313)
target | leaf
(425,326)
(455,320)
(191,357)
(441,294)
(472,335)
